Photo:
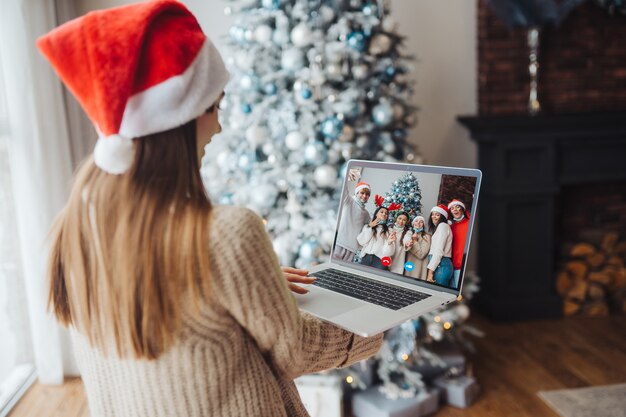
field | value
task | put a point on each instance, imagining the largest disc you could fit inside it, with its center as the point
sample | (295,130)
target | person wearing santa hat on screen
(176,307)
(354,216)
(458,226)
(440,254)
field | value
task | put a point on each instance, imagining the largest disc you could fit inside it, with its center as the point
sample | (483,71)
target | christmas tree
(407,193)
(314,83)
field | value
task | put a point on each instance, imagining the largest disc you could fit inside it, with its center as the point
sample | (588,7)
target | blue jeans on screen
(444,271)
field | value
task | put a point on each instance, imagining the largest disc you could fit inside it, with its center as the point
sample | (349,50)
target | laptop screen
(412,221)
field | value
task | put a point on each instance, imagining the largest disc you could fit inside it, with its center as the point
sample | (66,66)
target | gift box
(459,391)
(321,394)
(373,403)
(451,356)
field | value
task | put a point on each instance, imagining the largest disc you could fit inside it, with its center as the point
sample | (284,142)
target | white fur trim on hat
(178,99)
(361,186)
(456,203)
(419,218)
(440,211)
(114,154)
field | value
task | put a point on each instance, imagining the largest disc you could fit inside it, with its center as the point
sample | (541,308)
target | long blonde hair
(126,248)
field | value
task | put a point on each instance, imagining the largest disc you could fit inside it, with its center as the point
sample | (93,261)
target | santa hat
(455,202)
(361,186)
(418,218)
(441,209)
(136,70)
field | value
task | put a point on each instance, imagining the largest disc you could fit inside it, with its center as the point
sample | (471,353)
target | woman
(354,216)
(372,239)
(398,237)
(439,257)
(417,249)
(459,227)
(176,307)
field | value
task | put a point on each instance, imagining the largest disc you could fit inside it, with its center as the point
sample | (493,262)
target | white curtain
(40,159)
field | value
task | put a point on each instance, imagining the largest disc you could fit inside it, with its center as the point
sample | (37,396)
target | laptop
(367,288)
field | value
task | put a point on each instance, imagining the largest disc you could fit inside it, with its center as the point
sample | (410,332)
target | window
(16,357)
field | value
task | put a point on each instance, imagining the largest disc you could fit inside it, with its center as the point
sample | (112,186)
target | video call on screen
(412,224)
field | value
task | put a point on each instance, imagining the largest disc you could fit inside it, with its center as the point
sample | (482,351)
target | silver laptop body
(365,318)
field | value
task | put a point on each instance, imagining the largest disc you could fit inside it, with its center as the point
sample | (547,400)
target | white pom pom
(114,154)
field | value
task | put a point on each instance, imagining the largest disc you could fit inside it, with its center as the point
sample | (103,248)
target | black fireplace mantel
(526,160)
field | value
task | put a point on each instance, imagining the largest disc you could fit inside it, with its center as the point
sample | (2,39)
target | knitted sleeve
(253,289)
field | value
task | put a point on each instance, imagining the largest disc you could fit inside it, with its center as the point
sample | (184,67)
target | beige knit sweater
(240,355)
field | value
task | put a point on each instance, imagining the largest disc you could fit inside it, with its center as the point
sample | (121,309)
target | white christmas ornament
(296,222)
(301,35)
(263,34)
(294,140)
(292,59)
(325,176)
(359,71)
(334,70)
(263,196)
(255,135)
(379,44)
(244,60)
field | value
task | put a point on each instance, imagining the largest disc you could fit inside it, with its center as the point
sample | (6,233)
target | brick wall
(582,64)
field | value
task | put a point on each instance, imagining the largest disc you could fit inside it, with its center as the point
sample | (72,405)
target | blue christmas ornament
(332,127)
(270,89)
(357,40)
(389,73)
(399,133)
(306,93)
(315,153)
(382,114)
(246,108)
(271,4)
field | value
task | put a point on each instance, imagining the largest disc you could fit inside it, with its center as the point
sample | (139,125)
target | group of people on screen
(428,249)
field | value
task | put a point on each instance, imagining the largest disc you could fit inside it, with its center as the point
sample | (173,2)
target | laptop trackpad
(326,304)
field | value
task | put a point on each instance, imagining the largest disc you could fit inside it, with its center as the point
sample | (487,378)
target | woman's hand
(294,275)
(354,174)
(392,238)
(374,223)
(431,276)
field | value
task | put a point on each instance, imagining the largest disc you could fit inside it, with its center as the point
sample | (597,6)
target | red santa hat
(418,217)
(136,70)
(441,209)
(361,186)
(455,202)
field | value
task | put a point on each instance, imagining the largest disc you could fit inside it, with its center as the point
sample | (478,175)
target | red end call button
(386,261)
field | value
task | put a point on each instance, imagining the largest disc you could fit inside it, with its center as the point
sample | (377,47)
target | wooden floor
(513,362)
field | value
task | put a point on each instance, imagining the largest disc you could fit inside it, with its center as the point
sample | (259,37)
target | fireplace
(527,163)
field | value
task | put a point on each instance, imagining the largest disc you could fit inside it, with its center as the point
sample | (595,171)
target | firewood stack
(592,281)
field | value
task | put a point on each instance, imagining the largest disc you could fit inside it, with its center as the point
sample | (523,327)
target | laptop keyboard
(370,290)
